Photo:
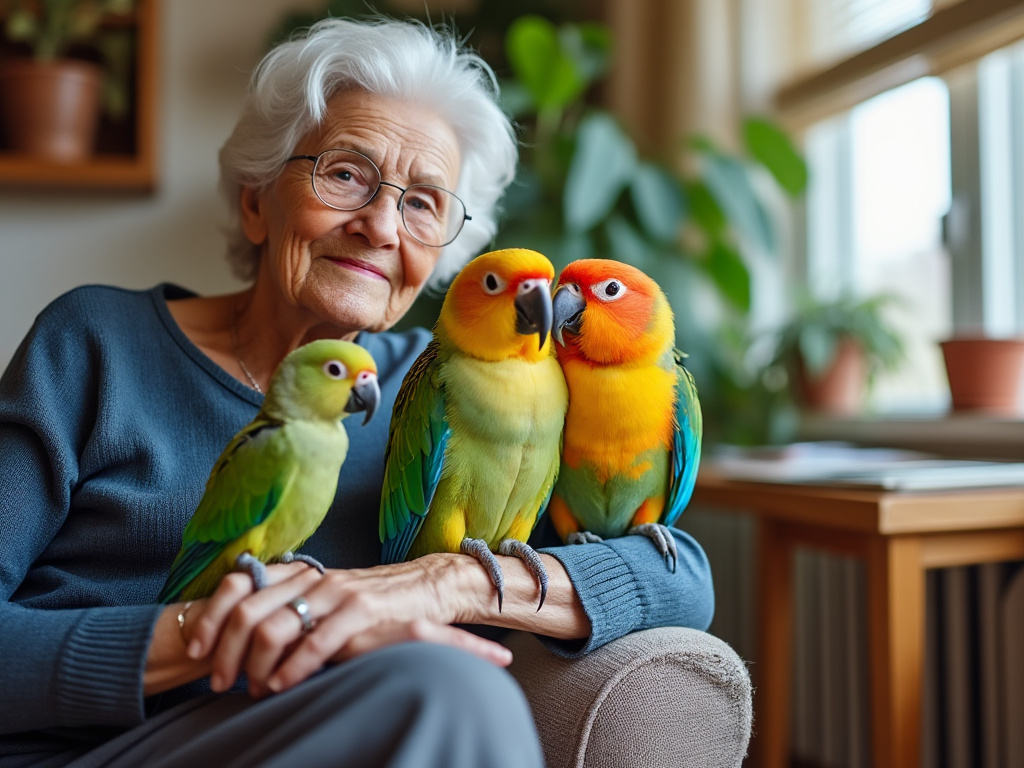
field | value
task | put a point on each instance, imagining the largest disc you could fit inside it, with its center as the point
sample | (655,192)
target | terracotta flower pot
(985,374)
(840,388)
(51,109)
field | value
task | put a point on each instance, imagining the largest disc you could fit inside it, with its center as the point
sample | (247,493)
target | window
(880,186)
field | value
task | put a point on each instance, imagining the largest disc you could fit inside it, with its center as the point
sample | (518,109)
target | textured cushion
(660,698)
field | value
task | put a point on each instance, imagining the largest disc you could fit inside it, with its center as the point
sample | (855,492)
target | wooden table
(899,535)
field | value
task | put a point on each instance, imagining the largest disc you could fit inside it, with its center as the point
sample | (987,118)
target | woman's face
(354,269)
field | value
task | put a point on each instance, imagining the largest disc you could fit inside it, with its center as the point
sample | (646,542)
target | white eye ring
(609,290)
(335,369)
(493,284)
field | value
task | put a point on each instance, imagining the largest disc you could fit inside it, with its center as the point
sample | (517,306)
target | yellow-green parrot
(475,438)
(272,486)
(633,431)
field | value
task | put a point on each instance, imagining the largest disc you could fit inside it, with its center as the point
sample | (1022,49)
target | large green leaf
(658,201)
(728,271)
(589,45)
(704,209)
(769,145)
(541,64)
(727,179)
(602,165)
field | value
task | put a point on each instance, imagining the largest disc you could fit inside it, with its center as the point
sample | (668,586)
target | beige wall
(51,242)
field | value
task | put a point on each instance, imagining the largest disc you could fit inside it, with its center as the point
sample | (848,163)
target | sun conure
(633,430)
(476,433)
(272,486)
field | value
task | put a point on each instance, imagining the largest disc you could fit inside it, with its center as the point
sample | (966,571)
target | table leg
(773,672)
(896,626)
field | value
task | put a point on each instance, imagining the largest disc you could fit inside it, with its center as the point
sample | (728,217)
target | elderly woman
(118,402)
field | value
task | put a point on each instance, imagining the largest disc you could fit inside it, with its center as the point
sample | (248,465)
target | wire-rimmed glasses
(347,180)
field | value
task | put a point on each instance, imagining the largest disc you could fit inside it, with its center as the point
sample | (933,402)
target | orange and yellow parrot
(633,430)
(475,437)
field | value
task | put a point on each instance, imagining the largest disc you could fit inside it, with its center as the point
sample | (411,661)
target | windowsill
(961,435)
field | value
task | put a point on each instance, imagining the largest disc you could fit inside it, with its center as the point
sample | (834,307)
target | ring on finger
(301,608)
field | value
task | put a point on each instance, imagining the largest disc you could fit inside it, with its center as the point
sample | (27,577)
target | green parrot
(272,486)
(476,433)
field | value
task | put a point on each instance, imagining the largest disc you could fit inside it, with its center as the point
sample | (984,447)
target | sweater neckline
(160,295)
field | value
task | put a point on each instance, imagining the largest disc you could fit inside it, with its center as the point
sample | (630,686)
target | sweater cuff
(103,660)
(610,592)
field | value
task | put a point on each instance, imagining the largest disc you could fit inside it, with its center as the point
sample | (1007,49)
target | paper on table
(842,464)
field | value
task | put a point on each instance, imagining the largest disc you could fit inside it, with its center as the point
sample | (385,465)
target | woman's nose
(379,221)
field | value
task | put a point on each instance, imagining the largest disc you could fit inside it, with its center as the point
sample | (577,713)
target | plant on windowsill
(831,351)
(73,66)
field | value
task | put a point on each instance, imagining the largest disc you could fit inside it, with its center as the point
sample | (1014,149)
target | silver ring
(301,608)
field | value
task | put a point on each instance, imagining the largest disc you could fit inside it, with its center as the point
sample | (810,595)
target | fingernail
(195,649)
(217,683)
(274,684)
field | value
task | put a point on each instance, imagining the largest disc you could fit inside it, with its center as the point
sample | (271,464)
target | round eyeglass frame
(381,183)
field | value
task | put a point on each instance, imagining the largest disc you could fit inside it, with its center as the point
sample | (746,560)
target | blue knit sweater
(110,419)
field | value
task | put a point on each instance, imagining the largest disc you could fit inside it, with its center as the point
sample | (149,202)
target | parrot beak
(533,309)
(365,396)
(568,307)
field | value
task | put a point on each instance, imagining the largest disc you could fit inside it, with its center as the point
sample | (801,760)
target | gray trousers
(414,705)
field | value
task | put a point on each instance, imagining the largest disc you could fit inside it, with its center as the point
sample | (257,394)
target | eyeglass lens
(347,180)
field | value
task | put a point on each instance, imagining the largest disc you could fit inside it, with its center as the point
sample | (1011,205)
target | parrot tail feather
(478,548)
(663,540)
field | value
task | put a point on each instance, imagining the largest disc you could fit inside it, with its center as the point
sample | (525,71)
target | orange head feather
(623,315)
(493,299)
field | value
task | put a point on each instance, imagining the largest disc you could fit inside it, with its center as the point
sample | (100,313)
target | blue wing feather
(686,444)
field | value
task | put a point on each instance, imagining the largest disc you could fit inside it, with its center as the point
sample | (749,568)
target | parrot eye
(335,369)
(493,284)
(609,290)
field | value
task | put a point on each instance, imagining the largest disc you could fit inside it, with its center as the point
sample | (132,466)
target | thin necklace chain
(238,357)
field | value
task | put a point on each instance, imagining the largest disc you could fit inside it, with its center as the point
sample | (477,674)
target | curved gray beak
(568,308)
(533,309)
(365,396)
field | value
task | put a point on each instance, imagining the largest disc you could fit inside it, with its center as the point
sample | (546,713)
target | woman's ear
(253,223)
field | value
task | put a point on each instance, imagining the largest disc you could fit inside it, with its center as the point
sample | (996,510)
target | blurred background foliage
(695,219)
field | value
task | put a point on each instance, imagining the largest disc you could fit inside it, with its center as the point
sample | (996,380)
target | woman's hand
(354,611)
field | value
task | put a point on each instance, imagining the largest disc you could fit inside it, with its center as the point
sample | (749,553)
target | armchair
(660,698)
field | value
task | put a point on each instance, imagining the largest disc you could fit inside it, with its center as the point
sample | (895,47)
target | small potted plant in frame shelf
(832,351)
(62,63)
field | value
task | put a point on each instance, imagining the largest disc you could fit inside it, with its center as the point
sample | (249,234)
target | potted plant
(832,350)
(985,374)
(50,98)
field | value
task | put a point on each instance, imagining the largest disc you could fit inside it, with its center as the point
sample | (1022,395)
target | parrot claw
(529,556)
(312,562)
(663,540)
(257,571)
(583,537)
(478,548)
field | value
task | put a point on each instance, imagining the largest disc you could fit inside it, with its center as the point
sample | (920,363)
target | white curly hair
(407,60)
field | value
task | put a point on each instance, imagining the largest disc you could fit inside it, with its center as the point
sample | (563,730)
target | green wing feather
(245,487)
(414,457)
